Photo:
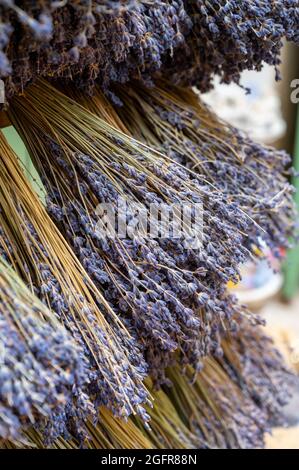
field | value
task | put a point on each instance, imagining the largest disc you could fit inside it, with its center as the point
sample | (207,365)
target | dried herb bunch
(237,398)
(229,36)
(252,177)
(31,243)
(114,41)
(169,295)
(40,363)
(174,121)
(231,404)
(108,433)
(84,40)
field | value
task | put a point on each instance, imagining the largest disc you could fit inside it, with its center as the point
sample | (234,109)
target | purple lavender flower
(113,42)
(41,367)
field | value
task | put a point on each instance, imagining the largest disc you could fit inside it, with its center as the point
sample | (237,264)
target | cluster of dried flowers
(113,41)
(85,318)
(173,297)
(173,300)
(40,363)
(30,242)
(252,179)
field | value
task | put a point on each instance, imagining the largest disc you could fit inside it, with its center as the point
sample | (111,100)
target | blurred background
(269,114)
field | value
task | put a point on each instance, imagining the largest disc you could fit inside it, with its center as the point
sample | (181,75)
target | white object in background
(258,113)
(256,297)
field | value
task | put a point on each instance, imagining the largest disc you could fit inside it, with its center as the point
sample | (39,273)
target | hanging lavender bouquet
(114,41)
(41,366)
(253,177)
(171,295)
(30,242)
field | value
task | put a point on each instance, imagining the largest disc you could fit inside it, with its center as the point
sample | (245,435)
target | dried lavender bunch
(110,42)
(220,415)
(41,367)
(236,399)
(253,178)
(231,403)
(91,39)
(229,36)
(109,433)
(252,362)
(35,248)
(176,121)
(173,297)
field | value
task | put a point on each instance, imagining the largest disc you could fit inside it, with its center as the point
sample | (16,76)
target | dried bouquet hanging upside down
(252,177)
(41,366)
(112,42)
(174,121)
(170,295)
(68,143)
(30,242)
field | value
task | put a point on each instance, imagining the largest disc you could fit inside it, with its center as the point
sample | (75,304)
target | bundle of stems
(108,433)
(252,176)
(238,398)
(110,42)
(231,404)
(175,121)
(173,297)
(90,145)
(40,363)
(31,243)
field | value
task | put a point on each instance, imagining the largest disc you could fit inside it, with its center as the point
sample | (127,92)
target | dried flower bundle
(236,395)
(108,433)
(86,40)
(229,36)
(114,41)
(253,178)
(231,404)
(41,366)
(236,398)
(31,243)
(172,298)
(86,316)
